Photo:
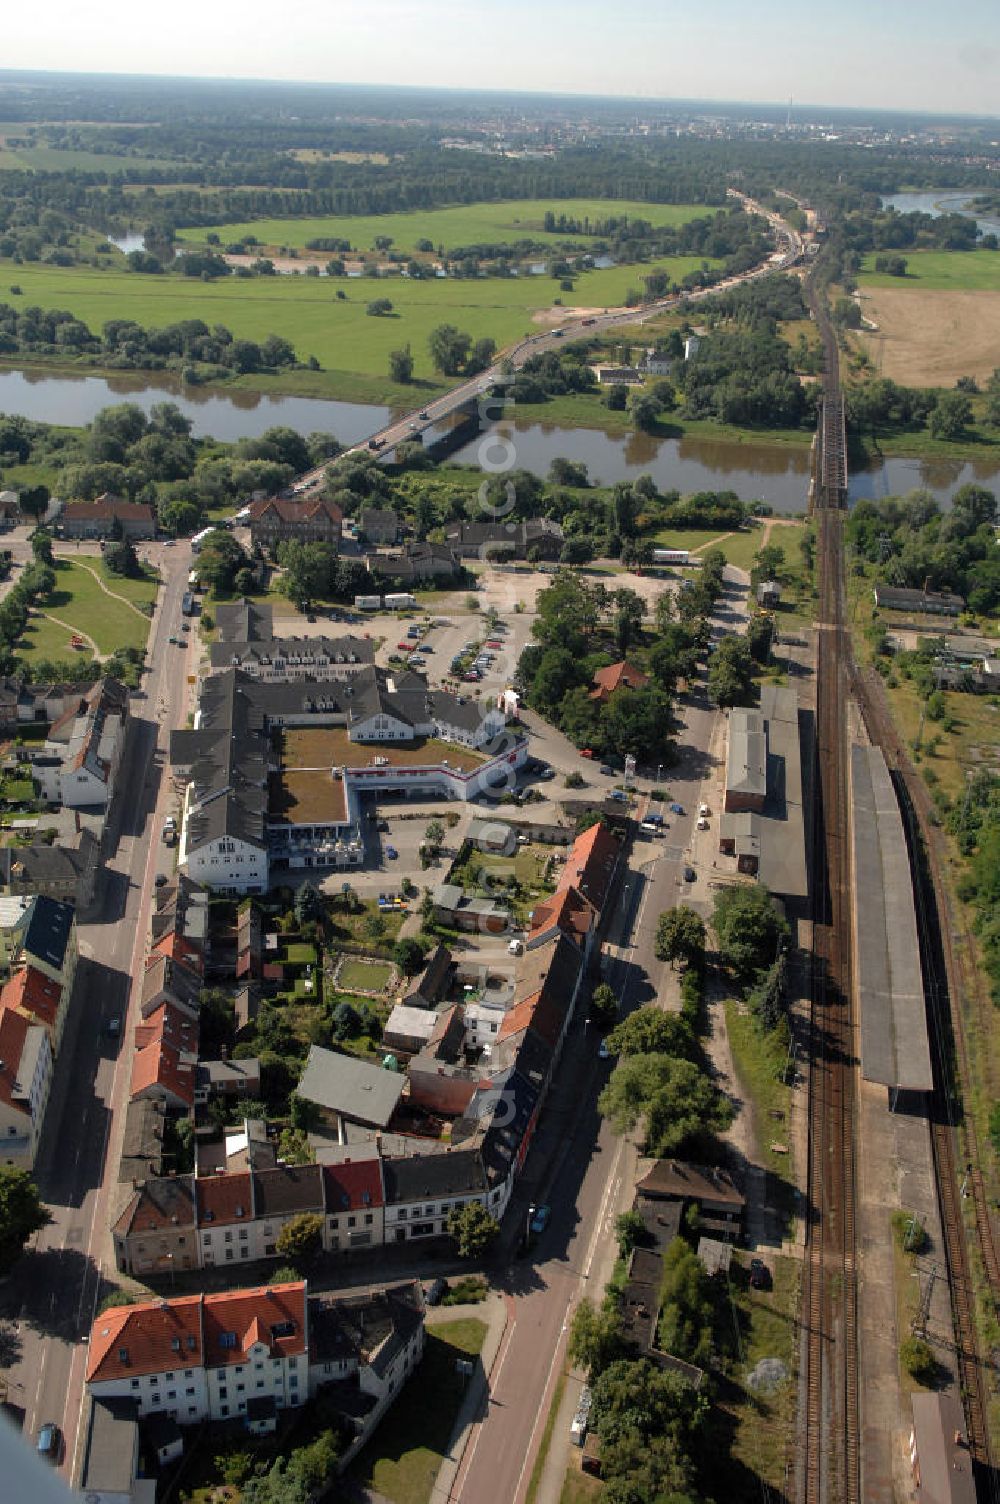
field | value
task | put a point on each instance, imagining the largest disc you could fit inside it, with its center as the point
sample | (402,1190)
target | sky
(891,54)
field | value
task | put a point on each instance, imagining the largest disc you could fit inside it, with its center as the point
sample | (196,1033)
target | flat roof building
(763,823)
(888,980)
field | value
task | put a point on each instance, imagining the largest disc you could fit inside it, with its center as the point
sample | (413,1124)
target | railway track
(830,1457)
(949,975)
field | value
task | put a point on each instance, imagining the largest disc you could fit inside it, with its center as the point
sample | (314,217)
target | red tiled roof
(224,1200)
(154,1337)
(13,1032)
(166,1054)
(273,1314)
(34,994)
(172,1025)
(566,910)
(295,511)
(106,507)
(591,864)
(348,1184)
(540,1012)
(179,948)
(615,676)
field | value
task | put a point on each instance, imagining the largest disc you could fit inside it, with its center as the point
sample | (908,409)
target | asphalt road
(51,1298)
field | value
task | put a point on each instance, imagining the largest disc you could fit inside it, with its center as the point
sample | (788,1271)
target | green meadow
(306,310)
(940,271)
(465,224)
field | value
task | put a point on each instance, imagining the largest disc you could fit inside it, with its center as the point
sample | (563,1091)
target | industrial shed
(888,981)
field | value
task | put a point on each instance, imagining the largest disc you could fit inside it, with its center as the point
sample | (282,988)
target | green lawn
(140,592)
(464,224)
(306,311)
(300,953)
(403,1459)
(764,1426)
(359,975)
(79,601)
(759,1058)
(934,271)
(59,159)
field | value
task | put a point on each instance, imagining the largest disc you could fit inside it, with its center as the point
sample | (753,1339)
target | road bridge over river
(465,398)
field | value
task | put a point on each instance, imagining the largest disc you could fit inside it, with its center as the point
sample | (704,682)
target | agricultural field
(464,224)
(939,271)
(59,159)
(939,322)
(305,310)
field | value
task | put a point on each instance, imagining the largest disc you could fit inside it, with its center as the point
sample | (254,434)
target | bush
(918,1359)
(910,1232)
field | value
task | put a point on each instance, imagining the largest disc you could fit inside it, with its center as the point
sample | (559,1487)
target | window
(189,1389)
(223,1409)
(229,1237)
(169,1377)
(352,1221)
(135,1383)
(229,1253)
(333,1224)
(369,1219)
(171,1394)
(244,1234)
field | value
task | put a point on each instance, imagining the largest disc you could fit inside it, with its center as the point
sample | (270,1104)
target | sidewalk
(499,1312)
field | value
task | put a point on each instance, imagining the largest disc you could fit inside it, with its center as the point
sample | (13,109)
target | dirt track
(932,338)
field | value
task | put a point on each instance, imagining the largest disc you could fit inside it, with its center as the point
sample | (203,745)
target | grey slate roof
(244,621)
(46,930)
(299,650)
(228,759)
(894,1045)
(357,1090)
(429,1177)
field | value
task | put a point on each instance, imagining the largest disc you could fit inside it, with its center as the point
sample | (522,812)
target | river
(939,201)
(754,469)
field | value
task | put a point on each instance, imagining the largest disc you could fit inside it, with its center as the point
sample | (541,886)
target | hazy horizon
(917,56)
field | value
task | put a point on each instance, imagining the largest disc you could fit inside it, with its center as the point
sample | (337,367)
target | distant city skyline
(894,55)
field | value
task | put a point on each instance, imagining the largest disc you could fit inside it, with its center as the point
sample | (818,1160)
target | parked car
(603,1053)
(546,774)
(607,770)
(49,1443)
(677,809)
(617,795)
(760,1275)
(425,415)
(540,1216)
(689,874)
(472,677)
(391,853)
(586,752)
(702,824)
(494,642)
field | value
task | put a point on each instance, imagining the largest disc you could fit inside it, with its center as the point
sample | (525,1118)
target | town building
(378,526)
(762,824)
(78,764)
(893,598)
(342,1087)
(107,516)
(202,1357)
(278,520)
(536,538)
(65,870)
(248,1355)
(155,1233)
(415,563)
(616,676)
(25,1080)
(252,806)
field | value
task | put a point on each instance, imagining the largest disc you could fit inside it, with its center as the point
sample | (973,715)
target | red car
(471,677)
(406,647)
(586,752)
(494,642)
